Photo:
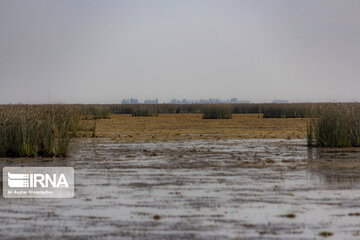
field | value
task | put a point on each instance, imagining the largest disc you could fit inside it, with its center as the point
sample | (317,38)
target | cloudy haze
(104,51)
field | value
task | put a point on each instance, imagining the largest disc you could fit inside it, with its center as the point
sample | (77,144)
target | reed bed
(145,111)
(269,110)
(337,125)
(90,112)
(217,112)
(37,130)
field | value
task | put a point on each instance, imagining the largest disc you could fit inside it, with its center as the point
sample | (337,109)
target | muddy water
(238,189)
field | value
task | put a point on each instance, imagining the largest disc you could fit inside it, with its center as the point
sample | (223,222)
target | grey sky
(103,51)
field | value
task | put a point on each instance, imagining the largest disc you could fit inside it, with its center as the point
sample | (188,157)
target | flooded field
(225,189)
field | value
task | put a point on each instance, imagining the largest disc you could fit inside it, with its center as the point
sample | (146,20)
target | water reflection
(334,168)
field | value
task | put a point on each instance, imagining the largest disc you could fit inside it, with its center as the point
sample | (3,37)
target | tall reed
(337,125)
(36,130)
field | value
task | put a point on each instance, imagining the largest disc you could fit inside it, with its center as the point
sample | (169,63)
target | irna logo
(38,182)
(33,180)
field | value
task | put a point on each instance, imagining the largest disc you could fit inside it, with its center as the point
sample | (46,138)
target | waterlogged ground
(227,189)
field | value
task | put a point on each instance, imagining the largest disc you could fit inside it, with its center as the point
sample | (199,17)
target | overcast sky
(102,51)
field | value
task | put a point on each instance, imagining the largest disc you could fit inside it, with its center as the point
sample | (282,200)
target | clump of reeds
(337,125)
(144,111)
(286,110)
(217,112)
(36,130)
(94,111)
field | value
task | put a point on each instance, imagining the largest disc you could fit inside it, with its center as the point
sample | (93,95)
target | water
(234,189)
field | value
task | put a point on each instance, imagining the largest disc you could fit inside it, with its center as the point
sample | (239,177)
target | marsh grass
(36,130)
(269,110)
(144,111)
(337,125)
(217,112)
(90,112)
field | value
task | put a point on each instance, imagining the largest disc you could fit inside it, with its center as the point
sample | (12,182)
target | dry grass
(168,127)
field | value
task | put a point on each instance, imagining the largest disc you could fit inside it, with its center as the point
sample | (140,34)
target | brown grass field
(173,127)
